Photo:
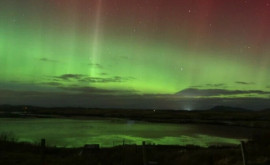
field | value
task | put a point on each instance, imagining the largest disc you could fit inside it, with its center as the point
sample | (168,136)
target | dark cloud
(57,94)
(133,101)
(88,79)
(52,83)
(244,83)
(47,60)
(105,80)
(193,92)
(96,91)
(71,77)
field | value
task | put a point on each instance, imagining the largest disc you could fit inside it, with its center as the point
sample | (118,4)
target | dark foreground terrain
(14,153)
(257,149)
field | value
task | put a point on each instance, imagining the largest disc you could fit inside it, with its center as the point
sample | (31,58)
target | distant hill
(228,108)
(10,108)
(268,109)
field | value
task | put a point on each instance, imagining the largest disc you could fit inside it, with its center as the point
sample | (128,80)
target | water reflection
(107,133)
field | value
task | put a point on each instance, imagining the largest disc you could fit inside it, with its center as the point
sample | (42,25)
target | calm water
(76,133)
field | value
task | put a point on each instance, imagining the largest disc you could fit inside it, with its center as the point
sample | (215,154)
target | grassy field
(14,153)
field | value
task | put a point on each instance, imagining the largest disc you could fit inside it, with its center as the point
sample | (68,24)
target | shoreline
(233,123)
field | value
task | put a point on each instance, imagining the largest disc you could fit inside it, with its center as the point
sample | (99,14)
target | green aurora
(50,47)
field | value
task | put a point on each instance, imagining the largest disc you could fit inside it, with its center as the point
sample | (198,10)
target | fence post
(43,147)
(243,150)
(124,153)
(43,143)
(144,153)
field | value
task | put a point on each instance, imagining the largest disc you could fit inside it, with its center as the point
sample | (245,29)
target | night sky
(167,54)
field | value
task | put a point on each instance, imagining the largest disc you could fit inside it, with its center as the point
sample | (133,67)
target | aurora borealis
(179,54)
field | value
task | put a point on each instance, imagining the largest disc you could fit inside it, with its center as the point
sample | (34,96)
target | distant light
(154,110)
(188,108)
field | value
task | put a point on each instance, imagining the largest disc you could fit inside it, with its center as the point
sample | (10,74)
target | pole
(144,153)
(243,150)
(43,147)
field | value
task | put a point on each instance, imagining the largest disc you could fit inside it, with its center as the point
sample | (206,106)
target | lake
(111,132)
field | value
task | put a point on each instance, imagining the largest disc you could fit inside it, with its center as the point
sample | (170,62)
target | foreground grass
(14,153)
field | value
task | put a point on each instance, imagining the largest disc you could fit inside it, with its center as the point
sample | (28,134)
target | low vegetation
(13,152)
(18,153)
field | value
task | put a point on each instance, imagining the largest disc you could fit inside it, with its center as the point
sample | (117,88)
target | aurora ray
(140,50)
(94,56)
